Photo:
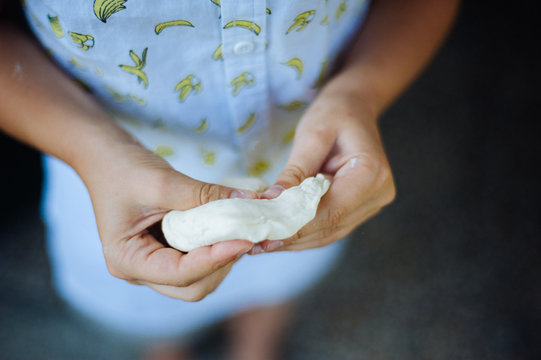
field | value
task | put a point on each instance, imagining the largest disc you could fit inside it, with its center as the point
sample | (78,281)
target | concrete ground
(449,271)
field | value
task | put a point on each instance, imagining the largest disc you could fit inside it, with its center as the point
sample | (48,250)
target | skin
(338,134)
(64,121)
(396,43)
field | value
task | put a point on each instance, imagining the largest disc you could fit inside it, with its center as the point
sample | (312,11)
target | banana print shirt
(216,87)
(232,72)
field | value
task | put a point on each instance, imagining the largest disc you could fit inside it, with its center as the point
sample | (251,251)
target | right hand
(131,195)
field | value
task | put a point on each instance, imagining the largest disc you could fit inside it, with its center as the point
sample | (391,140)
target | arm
(397,41)
(41,106)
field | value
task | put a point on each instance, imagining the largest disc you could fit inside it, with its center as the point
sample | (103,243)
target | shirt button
(243,47)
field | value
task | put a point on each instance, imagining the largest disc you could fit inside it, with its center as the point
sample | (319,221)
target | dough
(248,219)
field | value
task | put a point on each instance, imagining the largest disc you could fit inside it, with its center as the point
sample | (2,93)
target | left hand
(338,136)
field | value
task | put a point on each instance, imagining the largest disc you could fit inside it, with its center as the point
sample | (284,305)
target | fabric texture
(216,88)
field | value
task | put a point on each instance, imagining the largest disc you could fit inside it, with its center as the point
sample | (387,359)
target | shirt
(232,76)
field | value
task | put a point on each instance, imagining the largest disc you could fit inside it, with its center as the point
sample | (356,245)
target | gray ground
(449,271)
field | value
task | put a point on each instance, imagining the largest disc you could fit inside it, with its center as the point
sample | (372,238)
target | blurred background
(450,270)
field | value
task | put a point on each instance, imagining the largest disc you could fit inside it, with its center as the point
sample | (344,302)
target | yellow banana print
(203,126)
(247,124)
(217,54)
(209,157)
(103,9)
(259,168)
(294,105)
(296,64)
(288,137)
(118,97)
(216,2)
(55,26)
(341,10)
(164,151)
(321,77)
(85,42)
(268,11)
(189,84)
(37,22)
(137,70)
(159,28)
(136,99)
(246,24)
(325,20)
(244,79)
(301,20)
(76,63)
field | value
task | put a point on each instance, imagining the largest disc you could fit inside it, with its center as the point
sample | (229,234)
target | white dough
(247,219)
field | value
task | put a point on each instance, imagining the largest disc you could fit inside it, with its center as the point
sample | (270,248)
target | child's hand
(131,195)
(339,137)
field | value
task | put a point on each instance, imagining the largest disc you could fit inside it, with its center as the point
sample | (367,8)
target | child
(186,94)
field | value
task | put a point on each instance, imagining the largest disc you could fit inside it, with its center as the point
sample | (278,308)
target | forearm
(397,41)
(42,107)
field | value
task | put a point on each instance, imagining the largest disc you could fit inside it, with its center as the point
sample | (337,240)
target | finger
(314,241)
(329,221)
(310,149)
(143,258)
(353,194)
(195,292)
(317,240)
(350,191)
(180,192)
(308,234)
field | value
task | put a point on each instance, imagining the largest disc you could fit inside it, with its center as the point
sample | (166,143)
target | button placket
(243,47)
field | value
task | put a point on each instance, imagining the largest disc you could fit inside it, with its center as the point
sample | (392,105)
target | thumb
(310,149)
(183,192)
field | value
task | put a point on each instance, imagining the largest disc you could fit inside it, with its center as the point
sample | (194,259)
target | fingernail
(274,245)
(273,191)
(241,194)
(257,249)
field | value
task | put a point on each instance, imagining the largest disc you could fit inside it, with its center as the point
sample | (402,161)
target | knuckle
(294,174)
(299,234)
(335,216)
(387,186)
(195,295)
(206,192)
(184,282)
(391,194)
(327,232)
(368,161)
(319,134)
(218,265)
(384,175)
(114,271)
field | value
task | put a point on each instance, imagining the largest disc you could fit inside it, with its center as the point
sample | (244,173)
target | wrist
(100,147)
(354,84)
